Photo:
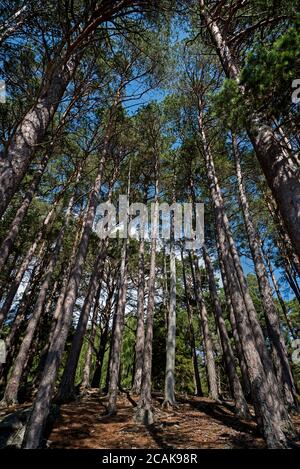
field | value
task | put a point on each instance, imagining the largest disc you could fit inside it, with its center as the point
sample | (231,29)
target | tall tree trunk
(140,328)
(144,411)
(224,223)
(237,340)
(235,385)
(281,362)
(281,174)
(208,345)
(15,225)
(278,293)
(271,415)
(15,332)
(199,391)
(66,390)
(117,338)
(11,390)
(20,274)
(31,130)
(85,383)
(171,335)
(103,341)
(42,402)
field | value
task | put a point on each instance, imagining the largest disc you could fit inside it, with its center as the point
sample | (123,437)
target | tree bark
(237,340)
(171,335)
(85,383)
(208,345)
(66,390)
(140,329)
(31,130)
(15,225)
(144,411)
(199,391)
(11,390)
(235,385)
(103,341)
(42,402)
(281,174)
(282,367)
(270,412)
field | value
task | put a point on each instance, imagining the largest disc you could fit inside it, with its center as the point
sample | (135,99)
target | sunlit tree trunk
(117,338)
(270,412)
(199,391)
(144,411)
(31,130)
(86,375)
(67,386)
(140,329)
(171,335)
(235,385)
(281,173)
(15,225)
(281,362)
(208,345)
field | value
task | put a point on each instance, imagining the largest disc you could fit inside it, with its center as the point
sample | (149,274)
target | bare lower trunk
(42,402)
(103,341)
(235,385)
(85,383)
(19,322)
(140,329)
(171,335)
(208,345)
(271,415)
(281,362)
(117,339)
(199,391)
(144,411)
(11,390)
(237,340)
(67,386)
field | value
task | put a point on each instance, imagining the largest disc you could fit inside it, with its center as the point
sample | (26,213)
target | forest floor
(194,423)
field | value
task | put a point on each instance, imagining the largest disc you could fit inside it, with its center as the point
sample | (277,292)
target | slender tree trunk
(281,362)
(11,390)
(144,411)
(171,335)
(237,340)
(66,390)
(103,342)
(208,346)
(140,329)
(278,293)
(117,338)
(20,274)
(255,325)
(199,391)
(15,332)
(281,174)
(270,412)
(15,225)
(85,383)
(42,402)
(235,385)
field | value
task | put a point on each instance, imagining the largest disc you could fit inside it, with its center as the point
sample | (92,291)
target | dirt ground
(194,423)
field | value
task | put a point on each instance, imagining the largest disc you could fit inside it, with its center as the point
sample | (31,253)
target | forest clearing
(149,224)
